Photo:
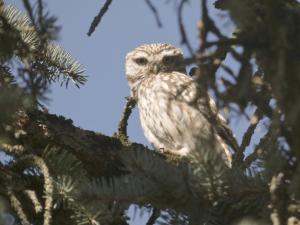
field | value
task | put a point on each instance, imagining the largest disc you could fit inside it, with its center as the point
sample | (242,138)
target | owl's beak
(155,69)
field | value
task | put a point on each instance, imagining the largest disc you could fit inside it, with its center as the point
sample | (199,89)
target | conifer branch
(277,207)
(35,201)
(52,60)
(17,206)
(37,161)
(107,156)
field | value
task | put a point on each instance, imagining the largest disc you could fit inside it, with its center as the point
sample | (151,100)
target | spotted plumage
(174,114)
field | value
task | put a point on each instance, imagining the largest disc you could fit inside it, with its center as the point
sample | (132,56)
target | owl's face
(152,59)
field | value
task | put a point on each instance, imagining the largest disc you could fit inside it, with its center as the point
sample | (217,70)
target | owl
(175,114)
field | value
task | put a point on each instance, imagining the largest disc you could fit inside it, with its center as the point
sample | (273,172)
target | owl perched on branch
(175,114)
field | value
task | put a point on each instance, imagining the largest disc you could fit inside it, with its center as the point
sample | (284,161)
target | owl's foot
(162,150)
(181,152)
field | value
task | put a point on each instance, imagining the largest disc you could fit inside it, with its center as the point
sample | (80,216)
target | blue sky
(98,104)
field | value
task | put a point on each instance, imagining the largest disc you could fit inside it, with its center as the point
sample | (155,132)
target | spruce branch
(105,156)
(130,174)
(62,162)
(22,23)
(33,160)
(35,201)
(58,62)
(75,193)
(52,60)
(17,206)
(276,189)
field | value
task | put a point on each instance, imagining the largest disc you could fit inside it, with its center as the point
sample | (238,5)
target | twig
(34,199)
(207,25)
(40,12)
(264,143)
(239,155)
(155,12)
(203,27)
(17,206)
(39,162)
(184,39)
(248,134)
(97,19)
(122,128)
(228,70)
(29,11)
(223,41)
(275,185)
(155,214)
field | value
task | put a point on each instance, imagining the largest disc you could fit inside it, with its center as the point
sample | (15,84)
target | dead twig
(155,214)
(276,189)
(155,12)
(97,19)
(184,39)
(29,11)
(239,155)
(40,12)
(122,128)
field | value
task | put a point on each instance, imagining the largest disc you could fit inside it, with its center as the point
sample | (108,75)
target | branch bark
(104,156)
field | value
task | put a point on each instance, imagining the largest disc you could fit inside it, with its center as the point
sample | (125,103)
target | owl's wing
(191,93)
(222,127)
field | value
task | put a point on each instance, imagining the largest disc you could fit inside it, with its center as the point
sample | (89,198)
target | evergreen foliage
(56,173)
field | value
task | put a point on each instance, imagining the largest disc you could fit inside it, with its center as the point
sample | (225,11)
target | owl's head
(151,59)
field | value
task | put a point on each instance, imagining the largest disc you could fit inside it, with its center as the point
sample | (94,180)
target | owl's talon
(161,150)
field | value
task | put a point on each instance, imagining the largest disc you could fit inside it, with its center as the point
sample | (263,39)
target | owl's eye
(168,59)
(141,61)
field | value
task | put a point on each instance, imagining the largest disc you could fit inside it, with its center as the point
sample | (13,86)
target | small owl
(174,114)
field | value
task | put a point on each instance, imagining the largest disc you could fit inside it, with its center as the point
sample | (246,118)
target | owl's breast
(168,119)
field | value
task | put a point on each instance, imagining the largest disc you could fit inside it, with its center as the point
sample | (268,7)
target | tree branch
(184,39)
(104,156)
(98,18)
(122,128)
(238,157)
(155,12)
(155,214)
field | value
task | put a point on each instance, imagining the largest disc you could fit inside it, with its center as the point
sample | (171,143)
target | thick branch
(105,156)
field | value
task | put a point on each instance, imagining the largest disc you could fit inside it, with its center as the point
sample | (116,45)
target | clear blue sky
(98,104)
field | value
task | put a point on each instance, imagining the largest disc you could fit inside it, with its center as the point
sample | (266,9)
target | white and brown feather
(171,117)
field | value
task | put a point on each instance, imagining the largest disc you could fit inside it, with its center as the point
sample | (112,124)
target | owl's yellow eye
(168,60)
(141,61)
